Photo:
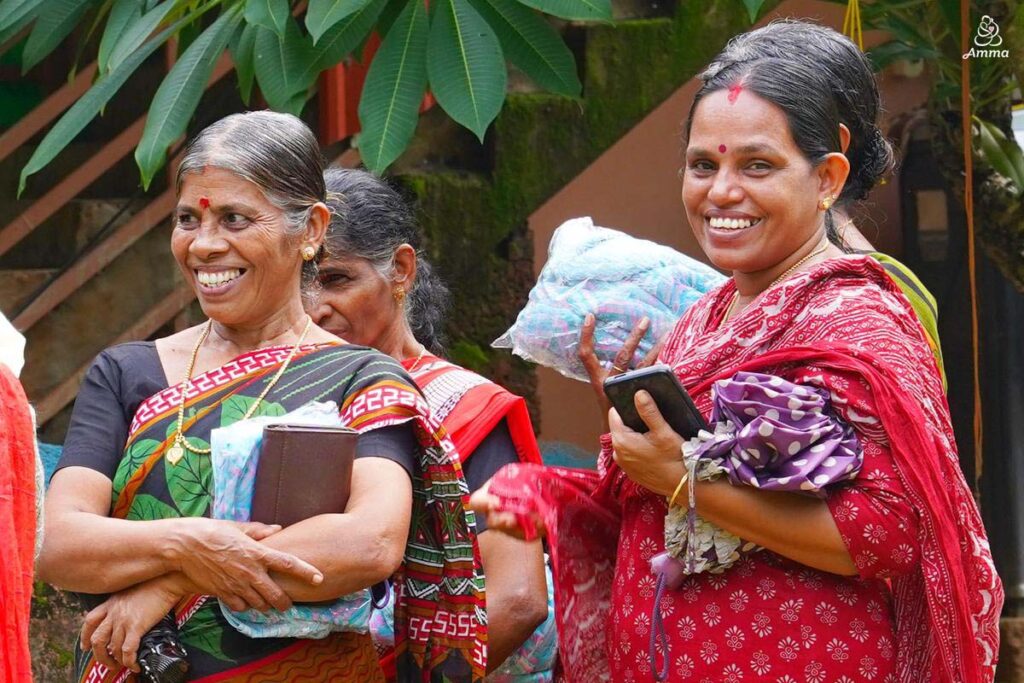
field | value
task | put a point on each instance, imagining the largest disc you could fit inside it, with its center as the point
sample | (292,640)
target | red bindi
(722,149)
(204,202)
(734,92)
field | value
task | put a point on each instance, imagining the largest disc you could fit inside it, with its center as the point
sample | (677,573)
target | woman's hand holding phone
(652,459)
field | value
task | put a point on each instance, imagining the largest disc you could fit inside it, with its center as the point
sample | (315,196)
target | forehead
(220,186)
(347,262)
(739,119)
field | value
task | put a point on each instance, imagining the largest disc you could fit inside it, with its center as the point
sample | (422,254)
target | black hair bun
(870,161)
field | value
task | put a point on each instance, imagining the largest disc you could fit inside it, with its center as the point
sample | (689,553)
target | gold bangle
(679,487)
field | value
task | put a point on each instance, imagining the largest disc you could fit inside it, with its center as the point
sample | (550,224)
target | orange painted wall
(634,187)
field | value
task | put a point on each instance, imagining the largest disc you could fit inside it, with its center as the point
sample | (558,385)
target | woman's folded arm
(86,551)
(359,548)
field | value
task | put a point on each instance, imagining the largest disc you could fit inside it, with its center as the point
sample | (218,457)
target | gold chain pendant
(175,453)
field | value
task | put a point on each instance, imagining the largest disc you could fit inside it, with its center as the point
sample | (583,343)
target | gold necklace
(789,271)
(180,444)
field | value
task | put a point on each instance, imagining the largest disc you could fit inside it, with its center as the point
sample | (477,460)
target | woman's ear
(405,266)
(844,138)
(832,174)
(316,226)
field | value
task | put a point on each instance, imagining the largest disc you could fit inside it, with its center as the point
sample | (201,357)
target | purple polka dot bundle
(618,278)
(784,437)
(770,434)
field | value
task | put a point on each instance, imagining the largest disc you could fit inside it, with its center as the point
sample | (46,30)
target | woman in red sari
(887,578)
(375,288)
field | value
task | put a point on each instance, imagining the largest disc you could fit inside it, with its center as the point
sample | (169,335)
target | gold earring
(399,294)
(827,202)
(308,252)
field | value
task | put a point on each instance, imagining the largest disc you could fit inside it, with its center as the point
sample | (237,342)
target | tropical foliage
(930,31)
(456,49)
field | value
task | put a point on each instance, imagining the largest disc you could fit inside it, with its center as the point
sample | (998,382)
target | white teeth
(210,279)
(731,223)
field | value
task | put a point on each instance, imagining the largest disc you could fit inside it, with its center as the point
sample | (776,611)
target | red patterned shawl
(846,316)
(471,406)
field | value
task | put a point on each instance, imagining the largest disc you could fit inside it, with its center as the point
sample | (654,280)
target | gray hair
(370,220)
(276,152)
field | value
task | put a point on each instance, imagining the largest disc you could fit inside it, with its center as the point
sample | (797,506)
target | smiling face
(750,194)
(230,242)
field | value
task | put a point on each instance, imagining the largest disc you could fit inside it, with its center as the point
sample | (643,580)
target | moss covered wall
(475,223)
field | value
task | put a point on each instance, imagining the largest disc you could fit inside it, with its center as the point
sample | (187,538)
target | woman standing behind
(376,289)
(889,576)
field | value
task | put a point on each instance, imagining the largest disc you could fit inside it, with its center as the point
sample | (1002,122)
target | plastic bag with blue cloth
(235,455)
(617,277)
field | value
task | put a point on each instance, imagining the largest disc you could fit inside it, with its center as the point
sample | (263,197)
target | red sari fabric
(926,604)
(17,528)
(471,406)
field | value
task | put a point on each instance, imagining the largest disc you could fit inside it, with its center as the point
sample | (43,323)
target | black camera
(162,657)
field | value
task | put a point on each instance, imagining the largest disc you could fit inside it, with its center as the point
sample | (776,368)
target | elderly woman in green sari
(128,506)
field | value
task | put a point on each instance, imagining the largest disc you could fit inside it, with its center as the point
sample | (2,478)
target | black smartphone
(668,393)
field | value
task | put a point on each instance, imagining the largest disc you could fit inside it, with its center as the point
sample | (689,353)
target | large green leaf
(15,11)
(123,13)
(913,34)
(55,21)
(190,480)
(999,152)
(205,633)
(322,15)
(134,456)
(950,10)
(14,29)
(146,507)
(235,407)
(85,109)
(177,97)
(137,32)
(532,44)
(242,53)
(465,65)
(753,9)
(389,15)
(281,67)
(394,87)
(345,36)
(598,10)
(272,15)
